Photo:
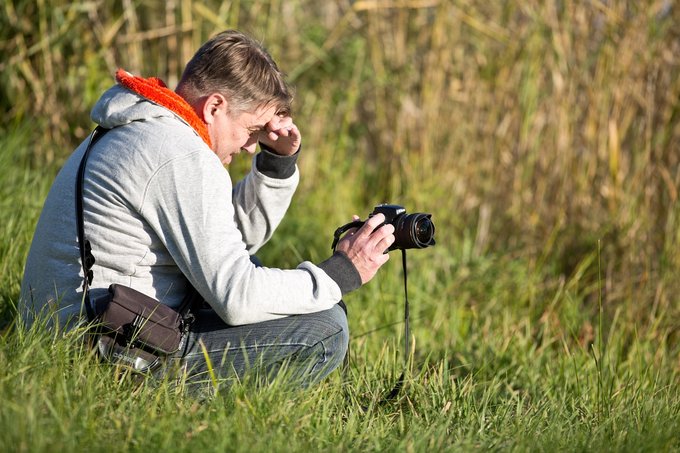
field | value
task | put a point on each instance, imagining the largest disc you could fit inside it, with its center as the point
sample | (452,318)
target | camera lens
(413,231)
(424,230)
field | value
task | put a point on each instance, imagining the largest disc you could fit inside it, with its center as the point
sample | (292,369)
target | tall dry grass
(548,130)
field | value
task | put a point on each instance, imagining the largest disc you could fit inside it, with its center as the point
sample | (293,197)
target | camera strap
(342,230)
(407,334)
(86,258)
(400,381)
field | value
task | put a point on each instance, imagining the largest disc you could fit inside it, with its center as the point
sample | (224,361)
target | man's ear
(213,105)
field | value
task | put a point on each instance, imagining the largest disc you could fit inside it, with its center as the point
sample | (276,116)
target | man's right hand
(366,246)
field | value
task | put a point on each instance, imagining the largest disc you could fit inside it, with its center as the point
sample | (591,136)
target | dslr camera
(411,231)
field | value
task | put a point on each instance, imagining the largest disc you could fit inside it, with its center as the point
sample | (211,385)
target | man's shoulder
(129,157)
(148,145)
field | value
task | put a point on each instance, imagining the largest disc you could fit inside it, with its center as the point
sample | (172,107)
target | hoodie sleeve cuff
(342,271)
(274,165)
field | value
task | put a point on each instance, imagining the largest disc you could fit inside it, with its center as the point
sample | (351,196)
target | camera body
(412,231)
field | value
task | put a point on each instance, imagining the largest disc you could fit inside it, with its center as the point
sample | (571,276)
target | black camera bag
(135,318)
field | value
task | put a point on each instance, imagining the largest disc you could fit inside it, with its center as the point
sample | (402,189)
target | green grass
(499,361)
(503,394)
(542,138)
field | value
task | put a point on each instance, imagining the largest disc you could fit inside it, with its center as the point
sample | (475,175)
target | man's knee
(342,337)
(336,344)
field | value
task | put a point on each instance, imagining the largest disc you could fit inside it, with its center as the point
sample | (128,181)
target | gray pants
(308,347)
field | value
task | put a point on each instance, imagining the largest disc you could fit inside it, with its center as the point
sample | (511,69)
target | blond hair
(239,68)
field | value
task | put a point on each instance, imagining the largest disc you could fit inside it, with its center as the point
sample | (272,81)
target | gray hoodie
(162,214)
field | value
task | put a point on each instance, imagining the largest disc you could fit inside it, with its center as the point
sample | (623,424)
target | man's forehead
(261,116)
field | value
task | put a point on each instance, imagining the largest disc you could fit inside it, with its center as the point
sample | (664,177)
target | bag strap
(86,258)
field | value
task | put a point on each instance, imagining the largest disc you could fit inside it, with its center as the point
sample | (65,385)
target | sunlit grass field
(543,137)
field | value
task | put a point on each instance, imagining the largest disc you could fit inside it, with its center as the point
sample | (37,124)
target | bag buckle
(134,358)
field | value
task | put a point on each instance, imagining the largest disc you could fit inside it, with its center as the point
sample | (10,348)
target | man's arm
(263,197)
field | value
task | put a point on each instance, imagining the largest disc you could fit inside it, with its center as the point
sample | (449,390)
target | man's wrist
(343,272)
(272,150)
(275,165)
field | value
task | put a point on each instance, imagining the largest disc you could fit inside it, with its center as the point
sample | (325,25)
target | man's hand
(366,246)
(281,135)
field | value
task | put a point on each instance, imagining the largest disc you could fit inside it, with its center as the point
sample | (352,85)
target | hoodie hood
(138,99)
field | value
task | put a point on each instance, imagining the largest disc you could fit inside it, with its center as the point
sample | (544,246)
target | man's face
(233,132)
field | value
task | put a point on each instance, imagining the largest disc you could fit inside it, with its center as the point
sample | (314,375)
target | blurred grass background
(543,137)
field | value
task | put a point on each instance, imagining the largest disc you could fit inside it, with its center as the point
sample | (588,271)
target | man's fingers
(279,122)
(283,122)
(291,132)
(386,241)
(274,135)
(281,126)
(371,224)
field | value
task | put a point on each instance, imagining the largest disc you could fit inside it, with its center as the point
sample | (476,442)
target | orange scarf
(155,90)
